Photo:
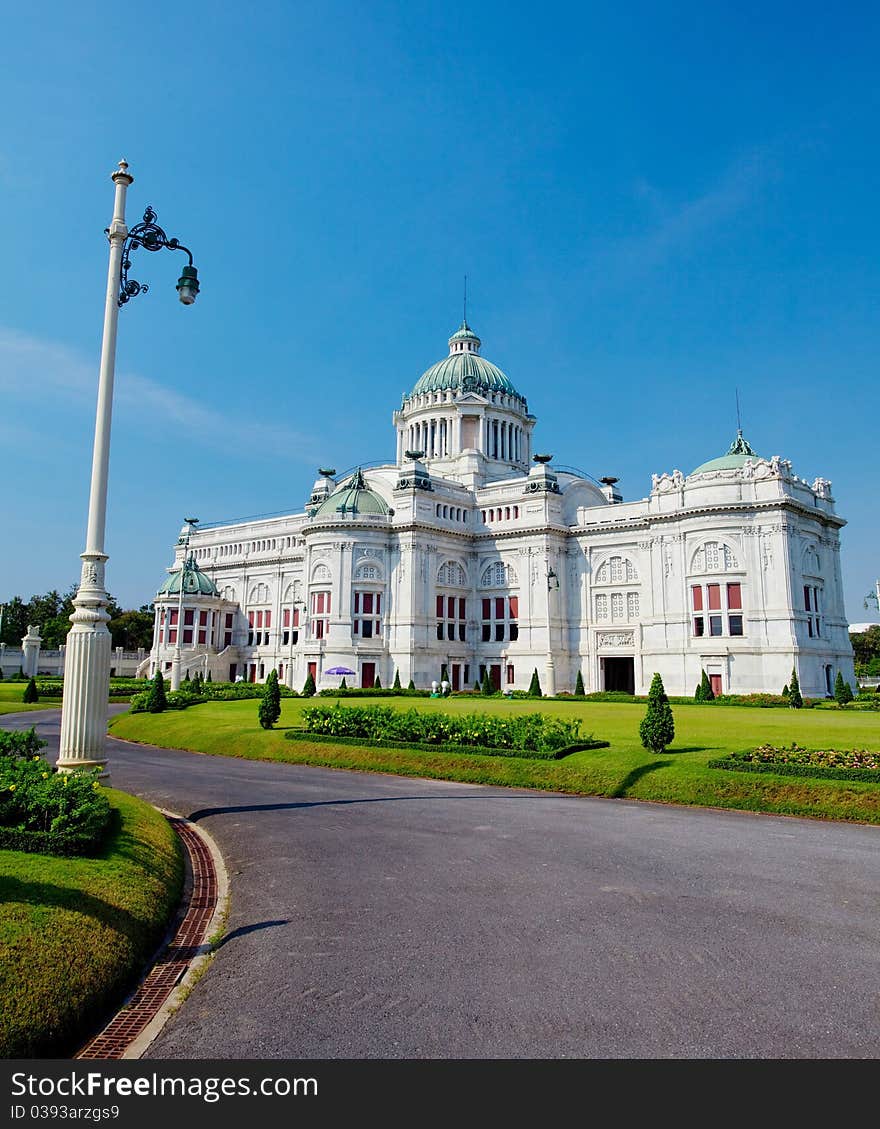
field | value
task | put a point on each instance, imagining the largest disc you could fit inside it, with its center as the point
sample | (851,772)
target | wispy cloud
(676,226)
(32,369)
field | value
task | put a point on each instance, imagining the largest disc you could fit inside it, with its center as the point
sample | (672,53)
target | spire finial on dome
(740,445)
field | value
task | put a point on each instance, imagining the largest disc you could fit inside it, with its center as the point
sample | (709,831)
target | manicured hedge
(525,733)
(372,692)
(446,747)
(816,771)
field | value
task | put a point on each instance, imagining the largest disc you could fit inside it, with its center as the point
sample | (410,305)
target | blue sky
(655,205)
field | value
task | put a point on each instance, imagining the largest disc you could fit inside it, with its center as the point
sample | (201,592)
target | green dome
(353,497)
(464,370)
(738,454)
(195,582)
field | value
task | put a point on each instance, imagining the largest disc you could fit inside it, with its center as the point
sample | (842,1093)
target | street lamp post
(191,523)
(87,661)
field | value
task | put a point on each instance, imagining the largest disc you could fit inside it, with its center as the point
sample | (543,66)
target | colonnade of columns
(501,439)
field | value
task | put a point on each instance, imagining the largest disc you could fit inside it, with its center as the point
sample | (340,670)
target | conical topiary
(535,685)
(309,686)
(270,703)
(156,701)
(579,686)
(377,684)
(486,686)
(343,685)
(657,729)
(707,694)
(396,685)
(209,678)
(842,690)
(30,691)
(795,701)
(785,690)
(411,685)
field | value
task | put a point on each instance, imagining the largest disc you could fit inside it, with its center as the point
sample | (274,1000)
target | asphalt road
(382,917)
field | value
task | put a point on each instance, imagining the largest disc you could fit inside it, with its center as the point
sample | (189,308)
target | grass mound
(76,932)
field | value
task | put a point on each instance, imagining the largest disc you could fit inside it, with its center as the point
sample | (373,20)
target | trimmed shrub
(156,701)
(486,686)
(377,685)
(842,690)
(535,685)
(785,691)
(309,686)
(270,704)
(795,700)
(448,747)
(411,685)
(530,732)
(44,810)
(657,729)
(579,686)
(343,685)
(30,691)
(395,685)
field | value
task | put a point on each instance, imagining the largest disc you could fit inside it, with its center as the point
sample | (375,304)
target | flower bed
(43,810)
(528,734)
(447,747)
(831,764)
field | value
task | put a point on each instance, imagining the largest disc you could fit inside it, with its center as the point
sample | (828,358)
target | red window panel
(357,603)
(328,604)
(510,676)
(188,617)
(367,601)
(259,620)
(714,593)
(187,635)
(379,603)
(734,597)
(172,635)
(357,627)
(285,618)
(227,639)
(715,683)
(514,607)
(807,598)
(296,617)
(174,616)
(203,635)
(697,597)
(499,607)
(161,634)
(487,609)
(250,619)
(462,606)
(268,620)
(203,619)
(319,599)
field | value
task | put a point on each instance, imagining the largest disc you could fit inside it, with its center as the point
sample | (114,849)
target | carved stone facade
(466,552)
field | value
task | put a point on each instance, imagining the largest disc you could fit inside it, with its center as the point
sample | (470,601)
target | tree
(309,686)
(210,677)
(396,685)
(477,688)
(15,622)
(535,685)
(343,685)
(657,729)
(707,694)
(842,690)
(866,645)
(785,690)
(156,700)
(186,677)
(270,703)
(132,630)
(411,685)
(30,691)
(579,686)
(795,700)
(698,693)
(444,673)
(486,686)
(377,685)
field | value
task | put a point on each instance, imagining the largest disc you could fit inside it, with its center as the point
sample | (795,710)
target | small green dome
(353,497)
(464,370)
(195,582)
(738,454)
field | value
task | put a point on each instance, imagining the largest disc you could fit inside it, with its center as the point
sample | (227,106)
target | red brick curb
(175,958)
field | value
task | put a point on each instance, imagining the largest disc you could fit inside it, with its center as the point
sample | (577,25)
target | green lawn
(680,775)
(10,699)
(75,933)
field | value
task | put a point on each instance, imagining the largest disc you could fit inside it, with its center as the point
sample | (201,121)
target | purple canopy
(338,670)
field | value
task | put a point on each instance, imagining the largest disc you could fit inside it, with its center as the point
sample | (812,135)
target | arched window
(714,556)
(368,572)
(320,573)
(499,575)
(617,570)
(452,575)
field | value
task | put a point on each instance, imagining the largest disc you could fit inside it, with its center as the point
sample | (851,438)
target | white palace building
(472,552)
